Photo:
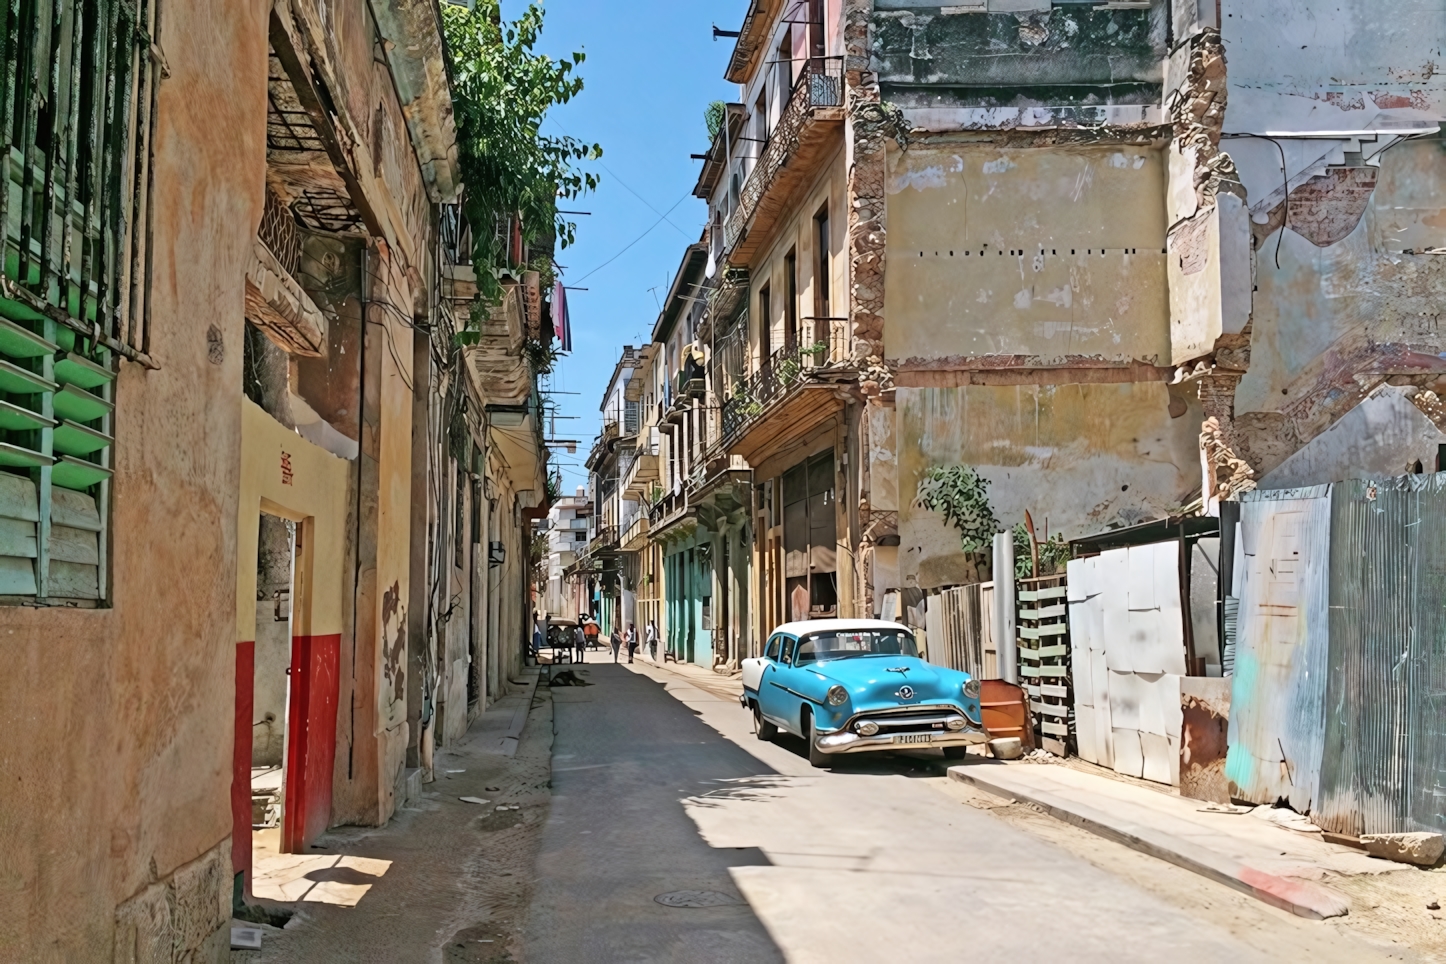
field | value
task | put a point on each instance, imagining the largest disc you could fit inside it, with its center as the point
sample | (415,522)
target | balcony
(806,130)
(776,392)
(638,471)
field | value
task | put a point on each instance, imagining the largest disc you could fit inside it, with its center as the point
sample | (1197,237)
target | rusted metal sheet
(1005,710)
(1278,690)
(1384,766)
(1205,720)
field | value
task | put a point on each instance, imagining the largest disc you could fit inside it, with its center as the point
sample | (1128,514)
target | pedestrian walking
(579,642)
(652,632)
(617,641)
(537,638)
(632,641)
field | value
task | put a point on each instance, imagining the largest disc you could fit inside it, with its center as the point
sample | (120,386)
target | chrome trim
(912,721)
(802,696)
(848,742)
(948,709)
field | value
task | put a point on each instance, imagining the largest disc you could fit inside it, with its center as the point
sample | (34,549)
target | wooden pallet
(1042,628)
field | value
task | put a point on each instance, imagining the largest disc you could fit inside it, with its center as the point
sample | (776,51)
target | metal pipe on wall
(1006,646)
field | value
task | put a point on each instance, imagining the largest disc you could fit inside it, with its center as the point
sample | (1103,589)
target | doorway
(276,546)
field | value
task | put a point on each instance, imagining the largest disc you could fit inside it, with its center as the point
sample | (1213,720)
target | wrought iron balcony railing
(784,372)
(819,84)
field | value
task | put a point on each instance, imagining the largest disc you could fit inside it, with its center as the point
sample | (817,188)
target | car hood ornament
(905,692)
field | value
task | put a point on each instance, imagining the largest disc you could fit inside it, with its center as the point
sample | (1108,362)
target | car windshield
(867,642)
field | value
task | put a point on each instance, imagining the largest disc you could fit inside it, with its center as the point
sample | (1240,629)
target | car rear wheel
(816,757)
(764,729)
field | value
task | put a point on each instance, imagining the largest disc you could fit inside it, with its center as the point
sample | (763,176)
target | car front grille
(913,719)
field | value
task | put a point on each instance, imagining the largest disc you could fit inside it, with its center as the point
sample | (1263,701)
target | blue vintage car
(856,686)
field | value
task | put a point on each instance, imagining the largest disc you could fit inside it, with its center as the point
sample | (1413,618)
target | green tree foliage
(961,495)
(502,89)
(713,117)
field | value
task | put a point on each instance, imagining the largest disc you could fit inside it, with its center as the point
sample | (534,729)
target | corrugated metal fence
(1384,767)
(1278,691)
(1339,696)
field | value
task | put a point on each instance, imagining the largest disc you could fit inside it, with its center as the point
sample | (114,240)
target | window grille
(278,232)
(77,106)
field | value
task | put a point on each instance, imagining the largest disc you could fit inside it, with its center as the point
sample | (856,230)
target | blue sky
(651,69)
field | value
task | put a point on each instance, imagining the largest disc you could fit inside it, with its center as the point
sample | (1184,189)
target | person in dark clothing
(579,642)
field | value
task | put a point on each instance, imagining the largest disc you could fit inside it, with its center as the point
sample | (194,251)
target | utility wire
(603,165)
(640,237)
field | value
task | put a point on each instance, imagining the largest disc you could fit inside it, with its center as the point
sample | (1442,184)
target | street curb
(1299,897)
(519,719)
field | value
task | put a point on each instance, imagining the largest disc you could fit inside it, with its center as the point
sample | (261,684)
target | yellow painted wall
(394,516)
(1081,456)
(318,492)
(796,232)
(118,720)
(1049,253)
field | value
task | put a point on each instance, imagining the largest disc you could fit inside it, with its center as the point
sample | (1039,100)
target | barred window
(77,103)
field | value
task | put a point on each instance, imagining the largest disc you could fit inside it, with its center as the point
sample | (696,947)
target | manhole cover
(695,898)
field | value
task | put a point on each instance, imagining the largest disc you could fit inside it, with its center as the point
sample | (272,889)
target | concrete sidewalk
(447,878)
(1279,866)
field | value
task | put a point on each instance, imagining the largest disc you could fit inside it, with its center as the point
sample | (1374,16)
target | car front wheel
(764,729)
(955,752)
(816,757)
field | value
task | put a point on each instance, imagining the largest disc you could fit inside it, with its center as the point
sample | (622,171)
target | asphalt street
(661,788)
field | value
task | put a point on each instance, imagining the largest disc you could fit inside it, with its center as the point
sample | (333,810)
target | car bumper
(846,742)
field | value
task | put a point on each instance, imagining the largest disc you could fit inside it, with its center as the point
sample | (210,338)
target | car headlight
(866,727)
(972,688)
(837,695)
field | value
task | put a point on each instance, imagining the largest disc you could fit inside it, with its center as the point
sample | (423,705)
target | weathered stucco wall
(797,233)
(1331,65)
(941,54)
(1048,254)
(1383,436)
(117,759)
(1082,456)
(1351,302)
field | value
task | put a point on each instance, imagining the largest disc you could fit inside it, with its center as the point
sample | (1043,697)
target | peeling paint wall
(1351,303)
(1084,457)
(1047,254)
(1000,55)
(118,721)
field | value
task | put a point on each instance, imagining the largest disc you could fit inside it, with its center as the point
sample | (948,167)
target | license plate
(913,737)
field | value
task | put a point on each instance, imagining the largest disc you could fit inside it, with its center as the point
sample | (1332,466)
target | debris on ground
(1422,849)
(567,678)
(477,800)
(245,938)
(1006,748)
(1287,818)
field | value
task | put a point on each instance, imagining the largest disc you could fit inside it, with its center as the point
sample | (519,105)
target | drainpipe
(1006,647)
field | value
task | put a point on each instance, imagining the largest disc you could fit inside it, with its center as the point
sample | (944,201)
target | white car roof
(802,626)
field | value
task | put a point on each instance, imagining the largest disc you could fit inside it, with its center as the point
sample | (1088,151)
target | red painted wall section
(311,739)
(241,761)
